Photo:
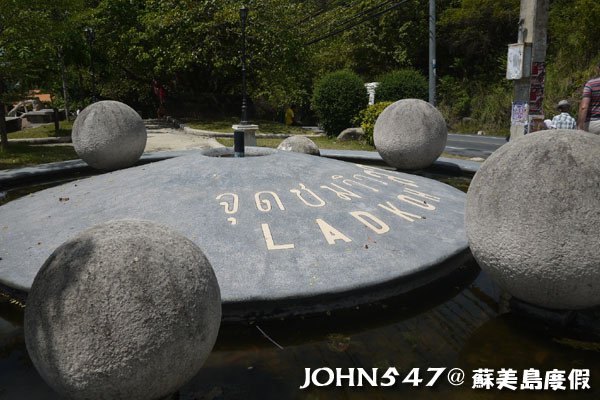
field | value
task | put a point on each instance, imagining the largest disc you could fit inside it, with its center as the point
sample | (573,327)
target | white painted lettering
(229,209)
(342,193)
(330,233)
(264,205)
(269,240)
(402,214)
(319,202)
(350,182)
(421,194)
(416,202)
(368,219)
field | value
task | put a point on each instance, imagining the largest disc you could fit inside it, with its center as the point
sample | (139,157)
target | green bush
(402,84)
(337,99)
(367,118)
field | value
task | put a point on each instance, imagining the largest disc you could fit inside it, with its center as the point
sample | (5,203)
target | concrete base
(286,233)
(249,133)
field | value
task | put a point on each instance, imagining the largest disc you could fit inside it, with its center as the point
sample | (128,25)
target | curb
(50,140)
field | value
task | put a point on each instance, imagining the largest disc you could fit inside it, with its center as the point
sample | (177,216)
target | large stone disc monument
(285,232)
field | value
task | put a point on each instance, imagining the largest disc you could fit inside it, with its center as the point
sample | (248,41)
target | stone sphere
(109,135)
(410,134)
(299,144)
(125,310)
(533,218)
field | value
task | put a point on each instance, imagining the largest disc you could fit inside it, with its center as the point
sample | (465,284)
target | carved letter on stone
(319,202)
(264,205)
(350,182)
(342,193)
(380,173)
(402,214)
(330,233)
(421,194)
(230,208)
(416,202)
(367,219)
(360,177)
(269,240)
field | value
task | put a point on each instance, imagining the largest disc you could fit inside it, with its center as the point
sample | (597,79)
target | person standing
(564,119)
(289,116)
(589,109)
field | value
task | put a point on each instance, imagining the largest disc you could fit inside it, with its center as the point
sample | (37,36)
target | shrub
(454,100)
(337,99)
(367,118)
(402,84)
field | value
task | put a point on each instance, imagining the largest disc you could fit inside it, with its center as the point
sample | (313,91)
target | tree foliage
(338,97)
(402,84)
(192,47)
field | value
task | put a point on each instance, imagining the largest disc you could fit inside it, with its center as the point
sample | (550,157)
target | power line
(341,28)
(367,11)
(327,8)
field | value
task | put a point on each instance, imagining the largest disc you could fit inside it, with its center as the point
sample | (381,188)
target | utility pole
(527,67)
(432,66)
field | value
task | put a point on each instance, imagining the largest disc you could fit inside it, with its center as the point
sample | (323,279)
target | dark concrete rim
(297,306)
(313,305)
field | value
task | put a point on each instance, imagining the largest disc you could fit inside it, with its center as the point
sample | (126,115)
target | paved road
(473,145)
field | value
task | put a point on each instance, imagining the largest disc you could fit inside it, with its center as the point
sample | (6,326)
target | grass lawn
(263,126)
(321,142)
(22,155)
(326,143)
(43,131)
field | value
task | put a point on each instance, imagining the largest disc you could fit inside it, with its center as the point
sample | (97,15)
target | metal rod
(244,15)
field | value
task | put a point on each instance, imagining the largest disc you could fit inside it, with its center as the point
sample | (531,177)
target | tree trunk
(3,134)
(64,84)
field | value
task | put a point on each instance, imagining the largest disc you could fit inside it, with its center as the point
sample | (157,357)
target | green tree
(473,37)
(338,97)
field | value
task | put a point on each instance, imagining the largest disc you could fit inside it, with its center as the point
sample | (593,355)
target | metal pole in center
(238,135)
(243,16)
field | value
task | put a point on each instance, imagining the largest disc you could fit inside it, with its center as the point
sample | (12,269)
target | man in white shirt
(564,119)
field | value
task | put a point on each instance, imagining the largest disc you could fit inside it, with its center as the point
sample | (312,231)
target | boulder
(351,134)
(109,135)
(533,214)
(410,134)
(299,144)
(127,309)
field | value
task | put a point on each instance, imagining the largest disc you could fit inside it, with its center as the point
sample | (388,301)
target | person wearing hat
(564,119)
(589,109)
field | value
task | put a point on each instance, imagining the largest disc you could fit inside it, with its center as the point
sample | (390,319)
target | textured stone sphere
(109,135)
(410,134)
(128,309)
(533,218)
(299,144)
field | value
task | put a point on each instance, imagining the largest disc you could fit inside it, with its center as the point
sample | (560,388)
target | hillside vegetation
(192,48)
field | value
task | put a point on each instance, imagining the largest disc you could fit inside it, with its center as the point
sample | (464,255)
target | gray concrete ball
(533,218)
(410,134)
(127,309)
(109,135)
(299,144)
